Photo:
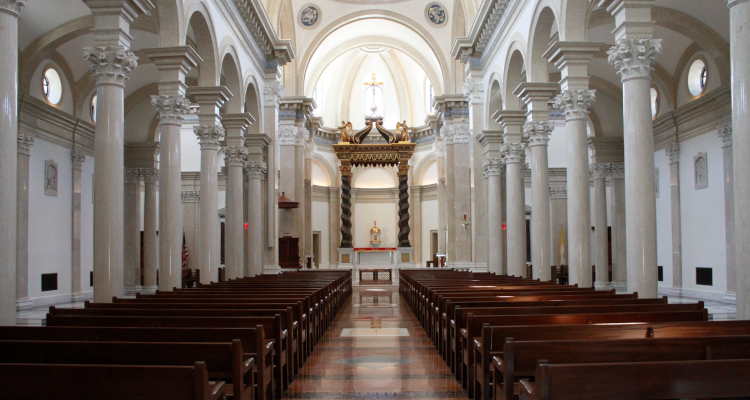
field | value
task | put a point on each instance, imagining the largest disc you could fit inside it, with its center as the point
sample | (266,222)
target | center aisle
(375,349)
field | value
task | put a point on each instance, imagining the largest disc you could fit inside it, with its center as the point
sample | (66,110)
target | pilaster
(25,142)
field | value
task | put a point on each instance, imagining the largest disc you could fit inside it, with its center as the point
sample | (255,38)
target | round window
(697,77)
(93,108)
(52,86)
(654,102)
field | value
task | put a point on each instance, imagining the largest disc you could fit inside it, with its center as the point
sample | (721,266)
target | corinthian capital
(599,170)
(446,132)
(150,175)
(673,152)
(132,176)
(438,146)
(209,136)
(633,58)
(537,133)
(310,148)
(461,132)
(575,103)
(171,108)
(25,141)
(110,64)
(234,156)
(256,169)
(492,167)
(78,158)
(513,153)
(474,90)
(273,91)
(616,170)
(292,135)
(12,6)
(724,131)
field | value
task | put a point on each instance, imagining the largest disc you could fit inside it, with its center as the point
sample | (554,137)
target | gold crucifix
(373,83)
(373,107)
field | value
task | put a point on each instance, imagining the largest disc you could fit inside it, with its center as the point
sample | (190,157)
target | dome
(375,229)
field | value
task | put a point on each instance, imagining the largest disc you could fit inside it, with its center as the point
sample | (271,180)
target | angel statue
(403,131)
(346,131)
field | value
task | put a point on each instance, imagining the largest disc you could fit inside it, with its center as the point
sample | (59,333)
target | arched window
(654,102)
(429,95)
(93,108)
(697,77)
(52,86)
(317,94)
(374,98)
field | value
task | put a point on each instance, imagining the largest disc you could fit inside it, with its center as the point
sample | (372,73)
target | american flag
(185,254)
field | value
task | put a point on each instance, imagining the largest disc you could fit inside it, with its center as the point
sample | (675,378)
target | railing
(375,277)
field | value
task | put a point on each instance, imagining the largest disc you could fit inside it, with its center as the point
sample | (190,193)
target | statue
(403,131)
(346,131)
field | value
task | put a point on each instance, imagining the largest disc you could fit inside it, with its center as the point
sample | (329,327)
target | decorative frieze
(537,133)
(209,136)
(132,176)
(25,141)
(575,103)
(513,153)
(725,133)
(191,196)
(558,192)
(273,91)
(673,152)
(492,167)
(235,156)
(78,158)
(633,58)
(110,64)
(171,108)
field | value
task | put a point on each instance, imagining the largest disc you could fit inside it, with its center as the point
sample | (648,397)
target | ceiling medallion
(436,14)
(373,49)
(309,16)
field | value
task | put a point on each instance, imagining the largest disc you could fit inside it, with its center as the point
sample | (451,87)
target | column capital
(673,152)
(558,192)
(171,108)
(25,141)
(273,91)
(725,133)
(599,170)
(255,169)
(78,158)
(191,196)
(346,170)
(537,133)
(132,176)
(513,153)
(617,170)
(446,132)
(492,167)
(209,136)
(13,7)
(234,156)
(110,64)
(633,58)
(290,135)
(575,103)
(310,148)
(474,90)
(460,132)
(438,146)
(149,175)
(525,167)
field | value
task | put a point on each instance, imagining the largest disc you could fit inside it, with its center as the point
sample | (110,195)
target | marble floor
(375,349)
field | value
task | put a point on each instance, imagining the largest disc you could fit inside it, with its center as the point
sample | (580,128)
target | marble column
(309,149)
(111,65)
(673,152)
(132,232)
(334,226)
(601,240)
(256,171)
(76,294)
(209,231)
(450,195)
(9,14)
(537,135)
(150,243)
(235,155)
(725,133)
(513,152)
(575,104)
(633,59)
(25,141)
(619,237)
(559,221)
(273,91)
(739,14)
(462,184)
(474,90)
(493,167)
(439,149)
(415,204)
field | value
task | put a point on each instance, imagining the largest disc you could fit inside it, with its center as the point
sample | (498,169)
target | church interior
(368,199)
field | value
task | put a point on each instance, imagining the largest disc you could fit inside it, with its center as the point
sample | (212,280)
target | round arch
(252,103)
(545,18)
(230,70)
(200,20)
(422,166)
(494,101)
(515,64)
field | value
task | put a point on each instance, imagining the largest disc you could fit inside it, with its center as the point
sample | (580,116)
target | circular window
(697,77)
(52,86)
(654,102)
(93,108)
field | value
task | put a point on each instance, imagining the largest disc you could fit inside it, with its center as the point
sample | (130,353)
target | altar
(375,256)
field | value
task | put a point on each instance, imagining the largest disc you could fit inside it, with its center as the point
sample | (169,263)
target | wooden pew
(635,381)
(521,357)
(252,341)
(224,361)
(113,382)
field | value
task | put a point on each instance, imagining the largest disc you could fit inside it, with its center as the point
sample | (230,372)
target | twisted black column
(403,206)
(346,209)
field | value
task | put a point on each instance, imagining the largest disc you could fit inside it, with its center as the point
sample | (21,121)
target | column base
(620,287)
(479,267)
(130,290)
(461,265)
(24,304)
(405,257)
(346,257)
(675,292)
(729,297)
(271,269)
(149,289)
(602,286)
(76,297)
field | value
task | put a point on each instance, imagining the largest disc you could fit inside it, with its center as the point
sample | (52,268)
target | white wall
(387,216)
(664,220)
(320,223)
(429,223)
(87,224)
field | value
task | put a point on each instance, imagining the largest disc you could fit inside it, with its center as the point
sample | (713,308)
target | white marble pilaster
(673,152)
(725,133)
(415,205)
(493,168)
(209,255)
(150,243)
(273,91)
(309,149)
(601,245)
(25,141)
(450,194)
(77,158)
(334,225)
(474,90)
(462,183)
(619,237)
(633,59)
(439,149)
(132,255)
